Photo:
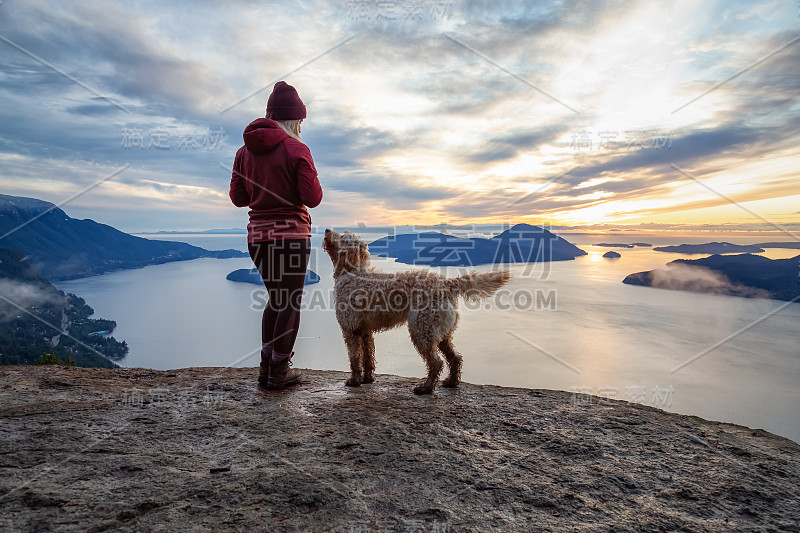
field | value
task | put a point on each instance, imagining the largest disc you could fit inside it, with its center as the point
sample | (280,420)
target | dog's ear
(349,255)
(341,260)
(352,253)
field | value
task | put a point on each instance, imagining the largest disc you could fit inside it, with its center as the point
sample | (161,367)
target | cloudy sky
(622,114)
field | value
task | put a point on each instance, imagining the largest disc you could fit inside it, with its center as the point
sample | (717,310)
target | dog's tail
(474,286)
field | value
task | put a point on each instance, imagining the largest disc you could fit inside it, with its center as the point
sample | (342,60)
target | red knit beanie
(284,103)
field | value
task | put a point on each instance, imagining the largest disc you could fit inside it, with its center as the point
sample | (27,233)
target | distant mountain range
(363,228)
(711,248)
(230,231)
(747,275)
(32,311)
(61,247)
(521,243)
(623,245)
(251,275)
(792,245)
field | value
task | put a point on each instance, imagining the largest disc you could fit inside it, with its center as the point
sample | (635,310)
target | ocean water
(568,325)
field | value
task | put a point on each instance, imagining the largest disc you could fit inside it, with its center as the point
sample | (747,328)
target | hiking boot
(263,372)
(280,375)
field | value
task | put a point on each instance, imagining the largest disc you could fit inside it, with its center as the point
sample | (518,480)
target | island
(251,275)
(612,255)
(60,247)
(642,244)
(744,275)
(202,449)
(521,243)
(614,245)
(710,248)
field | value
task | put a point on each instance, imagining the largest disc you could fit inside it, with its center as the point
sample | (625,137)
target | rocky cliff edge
(202,449)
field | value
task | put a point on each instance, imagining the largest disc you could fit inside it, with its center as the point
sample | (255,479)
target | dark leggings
(282,264)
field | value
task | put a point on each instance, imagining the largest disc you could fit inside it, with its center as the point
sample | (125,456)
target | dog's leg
(353,343)
(453,359)
(427,350)
(368,346)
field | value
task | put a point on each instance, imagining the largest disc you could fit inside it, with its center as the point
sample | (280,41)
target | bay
(568,325)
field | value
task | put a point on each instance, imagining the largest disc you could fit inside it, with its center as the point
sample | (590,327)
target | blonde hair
(291,127)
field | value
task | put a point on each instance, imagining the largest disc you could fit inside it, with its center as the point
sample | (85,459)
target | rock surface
(202,449)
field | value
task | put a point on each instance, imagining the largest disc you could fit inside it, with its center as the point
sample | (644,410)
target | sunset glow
(450,116)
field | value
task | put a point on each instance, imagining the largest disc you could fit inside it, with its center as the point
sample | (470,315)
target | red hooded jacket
(274,175)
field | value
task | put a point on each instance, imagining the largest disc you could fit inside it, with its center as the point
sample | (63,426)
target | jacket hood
(262,135)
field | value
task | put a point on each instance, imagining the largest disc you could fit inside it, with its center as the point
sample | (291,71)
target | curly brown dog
(370,301)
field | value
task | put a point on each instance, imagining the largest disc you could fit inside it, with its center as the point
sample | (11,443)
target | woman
(274,175)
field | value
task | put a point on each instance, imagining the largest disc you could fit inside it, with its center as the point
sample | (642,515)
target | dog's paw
(450,382)
(369,378)
(351,382)
(423,388)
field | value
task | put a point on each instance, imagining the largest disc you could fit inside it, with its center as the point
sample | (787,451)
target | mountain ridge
(61,247)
